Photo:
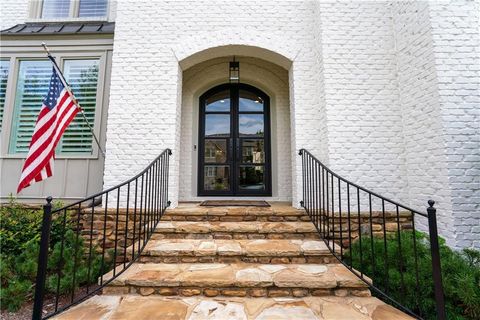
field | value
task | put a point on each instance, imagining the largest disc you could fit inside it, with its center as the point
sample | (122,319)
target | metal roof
(51,28)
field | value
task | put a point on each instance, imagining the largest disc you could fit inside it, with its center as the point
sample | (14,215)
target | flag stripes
(58,110)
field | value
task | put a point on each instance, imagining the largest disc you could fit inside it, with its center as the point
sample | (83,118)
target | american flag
(58,110)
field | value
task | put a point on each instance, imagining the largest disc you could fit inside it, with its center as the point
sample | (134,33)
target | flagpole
(75,101)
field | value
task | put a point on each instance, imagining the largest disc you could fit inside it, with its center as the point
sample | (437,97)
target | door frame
(234,163)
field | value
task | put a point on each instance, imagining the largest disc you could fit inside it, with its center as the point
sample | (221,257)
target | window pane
(249,102)
(32,86)
(93,8)
(4,65)
(55,8)
(216,178)
(251,125)
(253,151)
(217,125)
(82,75)
(215,150)
(218,102)
(251,178)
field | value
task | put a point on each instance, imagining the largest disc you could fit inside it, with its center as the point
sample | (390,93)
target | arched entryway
(234,152)
(273,81)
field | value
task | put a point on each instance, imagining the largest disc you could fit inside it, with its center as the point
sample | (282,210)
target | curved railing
(376,238)
(87,244)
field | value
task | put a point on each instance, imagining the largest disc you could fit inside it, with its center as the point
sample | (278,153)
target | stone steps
(234,230)
(234,251)
(134,307)
(238,279)
(234,263)
(276,213)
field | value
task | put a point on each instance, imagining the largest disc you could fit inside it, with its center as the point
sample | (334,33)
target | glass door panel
(253,151)
(215,151)
(217,125)
(251,125)
(218,102)
(217,178)
(249,101)
(252,178)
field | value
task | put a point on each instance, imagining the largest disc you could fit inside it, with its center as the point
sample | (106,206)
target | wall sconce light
(234,72)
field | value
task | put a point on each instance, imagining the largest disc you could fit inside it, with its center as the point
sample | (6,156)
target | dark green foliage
(15,293)
(18,226)
(19,239)
(74,258)
(394,272)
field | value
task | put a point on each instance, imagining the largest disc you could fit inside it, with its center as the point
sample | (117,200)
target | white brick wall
(456,46)
(13,12)
(418,96)
(364,119)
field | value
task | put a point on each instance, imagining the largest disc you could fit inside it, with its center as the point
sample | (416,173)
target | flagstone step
(238,279)
(279,211)
(134,307)
(230,251)
(234,230)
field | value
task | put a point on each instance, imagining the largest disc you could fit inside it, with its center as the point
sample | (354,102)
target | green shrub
(15,294)
(18,226)
(19,239)
(75,262)
(460,272)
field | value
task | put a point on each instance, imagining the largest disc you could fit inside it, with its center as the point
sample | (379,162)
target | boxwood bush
(20,228)
(460,272)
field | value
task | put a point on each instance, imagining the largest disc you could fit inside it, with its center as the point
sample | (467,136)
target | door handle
(230,149)
(239,156)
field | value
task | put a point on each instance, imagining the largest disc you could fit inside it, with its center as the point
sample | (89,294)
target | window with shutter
(82,75)
(92,8)
(4,65)
(32,85)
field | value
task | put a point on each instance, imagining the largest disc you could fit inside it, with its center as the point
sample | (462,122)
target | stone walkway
(132,307)
(235,263)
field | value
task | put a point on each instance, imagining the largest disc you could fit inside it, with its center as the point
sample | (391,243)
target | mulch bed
(25,312)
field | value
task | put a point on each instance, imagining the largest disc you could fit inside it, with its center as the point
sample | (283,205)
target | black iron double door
(234,142)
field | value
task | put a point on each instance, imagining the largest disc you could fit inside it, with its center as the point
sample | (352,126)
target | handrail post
(436,266)
(42,261)
(302,202)
(168,171)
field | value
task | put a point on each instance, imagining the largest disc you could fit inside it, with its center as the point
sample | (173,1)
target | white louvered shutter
(32,85)
(4,65)
(82,75)
(93,8)
(55,8)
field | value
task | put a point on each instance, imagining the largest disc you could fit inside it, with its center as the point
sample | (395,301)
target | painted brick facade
(456,46)
(13,12)
(418,96)
(363,113)
(386,93)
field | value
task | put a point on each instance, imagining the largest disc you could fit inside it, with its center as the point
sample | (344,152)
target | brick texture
(456,46)
(13,12)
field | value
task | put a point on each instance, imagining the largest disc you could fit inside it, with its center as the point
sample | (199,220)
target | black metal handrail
(353,220)
(103,242)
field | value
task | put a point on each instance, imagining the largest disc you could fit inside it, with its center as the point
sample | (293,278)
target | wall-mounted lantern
(234,73)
